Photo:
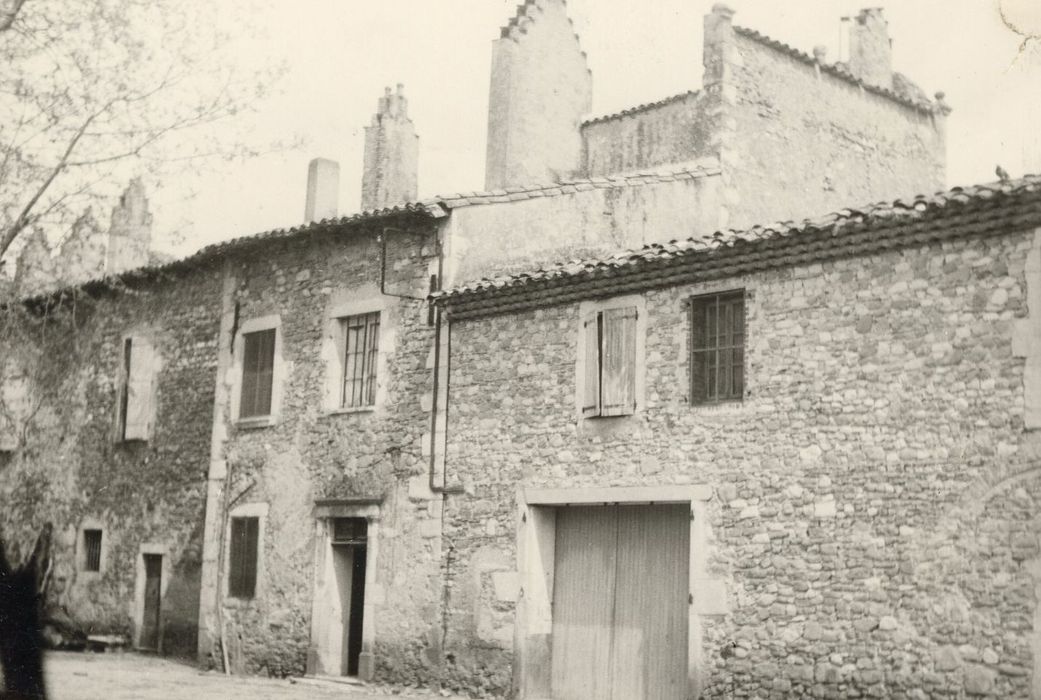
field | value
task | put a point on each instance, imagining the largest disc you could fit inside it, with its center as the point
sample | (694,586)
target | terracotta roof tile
(645,107)
(980,209)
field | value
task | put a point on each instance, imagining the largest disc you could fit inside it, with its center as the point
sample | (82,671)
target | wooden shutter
(138,417)
(242,569)
(618,383)
(591,376)
(258,363)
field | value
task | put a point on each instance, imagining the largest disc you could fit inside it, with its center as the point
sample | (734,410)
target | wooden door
(620,603)
(153,590)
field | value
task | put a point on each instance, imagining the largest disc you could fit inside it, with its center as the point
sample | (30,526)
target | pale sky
(341,53)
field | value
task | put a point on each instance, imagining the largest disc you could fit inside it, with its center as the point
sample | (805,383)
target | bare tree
(93,89)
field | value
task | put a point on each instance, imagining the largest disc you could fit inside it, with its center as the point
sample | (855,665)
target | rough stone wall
(875,509)
(796,142)
(71,471)
(674,131)
(487,240)
(541,89)
(314,453)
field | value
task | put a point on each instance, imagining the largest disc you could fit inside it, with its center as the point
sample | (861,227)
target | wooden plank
(591,376)
(583,602)
(649,650)
(139,389)
(618,383)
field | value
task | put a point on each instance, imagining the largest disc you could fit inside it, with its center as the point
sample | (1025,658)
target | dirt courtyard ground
(128,676)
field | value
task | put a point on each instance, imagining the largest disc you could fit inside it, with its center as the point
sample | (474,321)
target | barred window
(361,350)
(717,359)
(242,569)
(258,363)
(92,550)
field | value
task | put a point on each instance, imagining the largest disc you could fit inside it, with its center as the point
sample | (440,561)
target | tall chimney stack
(391,154)
(130,231)
(870,49)
(323,190)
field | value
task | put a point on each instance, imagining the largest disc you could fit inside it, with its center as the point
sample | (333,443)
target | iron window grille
(361,351)
(92,550)
(717,357)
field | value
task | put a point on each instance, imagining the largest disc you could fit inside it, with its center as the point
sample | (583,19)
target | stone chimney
(35,272)
(541,89)
(130,232)
(870,48)
(82,256)
(323,190)
(391,154)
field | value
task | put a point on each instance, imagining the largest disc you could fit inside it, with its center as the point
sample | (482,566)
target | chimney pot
(323,190)
(722,9)
(820,53)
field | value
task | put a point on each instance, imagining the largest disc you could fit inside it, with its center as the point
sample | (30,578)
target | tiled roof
(690,171)
(645,107)
(838,70)
(979,210)
(216,251)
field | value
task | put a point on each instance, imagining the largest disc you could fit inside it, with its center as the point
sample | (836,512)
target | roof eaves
(640,108)
(978,210)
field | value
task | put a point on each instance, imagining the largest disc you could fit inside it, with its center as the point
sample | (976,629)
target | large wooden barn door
(620,603)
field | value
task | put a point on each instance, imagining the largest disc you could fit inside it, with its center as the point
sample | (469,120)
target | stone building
(344,479)
(792,460)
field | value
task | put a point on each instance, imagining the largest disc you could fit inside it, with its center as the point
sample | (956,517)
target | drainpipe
(440,326)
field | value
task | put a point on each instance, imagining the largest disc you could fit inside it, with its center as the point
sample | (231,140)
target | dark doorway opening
(350,547)
(153,591)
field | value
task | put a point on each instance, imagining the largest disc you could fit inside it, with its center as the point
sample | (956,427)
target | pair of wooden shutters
(610,362)
(242,565)
(137,395)
(258,366)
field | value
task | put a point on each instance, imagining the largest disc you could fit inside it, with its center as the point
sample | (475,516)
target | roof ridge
(880,213)
(833,69)
(643,107)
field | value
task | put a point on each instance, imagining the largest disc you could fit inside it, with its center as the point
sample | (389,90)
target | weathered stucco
(874,512)
(583,221)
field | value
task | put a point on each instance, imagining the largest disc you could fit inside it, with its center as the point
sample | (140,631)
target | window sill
(731,406)
(354,409)
(255,422)
(238,603)
(84,575)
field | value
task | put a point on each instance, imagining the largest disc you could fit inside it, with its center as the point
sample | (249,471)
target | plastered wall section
(75,473)
(674,132)
(312,450)
(796,142)
(581,221)
(874,512)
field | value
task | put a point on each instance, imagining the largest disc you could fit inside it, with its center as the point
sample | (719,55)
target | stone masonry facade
(70,468)
(874,512)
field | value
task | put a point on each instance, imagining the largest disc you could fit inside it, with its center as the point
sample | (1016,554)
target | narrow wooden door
(620,603)
(153,587)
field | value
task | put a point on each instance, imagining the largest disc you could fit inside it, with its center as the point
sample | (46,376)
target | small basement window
(92,550)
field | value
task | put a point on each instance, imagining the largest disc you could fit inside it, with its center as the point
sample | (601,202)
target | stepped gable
(525,15)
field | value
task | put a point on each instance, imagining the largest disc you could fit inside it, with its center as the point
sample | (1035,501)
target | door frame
(325,512)
(536,543)
(137,610)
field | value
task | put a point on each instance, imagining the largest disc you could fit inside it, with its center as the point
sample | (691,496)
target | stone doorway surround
(536,541)
(319,661)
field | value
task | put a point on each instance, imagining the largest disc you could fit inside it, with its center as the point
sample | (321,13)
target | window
(361,351)
(92,550)
(258,363)
(717,358)
(610,362)
(136,389)
(242,559)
